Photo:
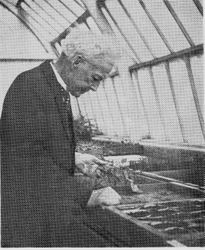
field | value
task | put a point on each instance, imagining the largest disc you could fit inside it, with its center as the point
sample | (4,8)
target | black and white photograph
(102,133)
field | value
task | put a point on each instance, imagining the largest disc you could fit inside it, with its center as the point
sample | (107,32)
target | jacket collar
(57,90)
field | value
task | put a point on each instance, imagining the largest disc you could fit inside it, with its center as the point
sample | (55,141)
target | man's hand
(88,164)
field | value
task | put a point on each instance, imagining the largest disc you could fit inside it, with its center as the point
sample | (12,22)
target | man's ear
(77,59)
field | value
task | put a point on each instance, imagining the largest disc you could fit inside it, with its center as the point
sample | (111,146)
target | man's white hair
(90,44)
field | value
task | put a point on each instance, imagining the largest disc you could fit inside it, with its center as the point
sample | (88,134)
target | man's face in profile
(86,72)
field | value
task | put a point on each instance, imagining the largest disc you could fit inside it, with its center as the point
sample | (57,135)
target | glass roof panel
(167,103)
(149,32)
(52,15)
(37,19)
(43,15)
(21,44)
(197,68)
(131,34)
(74,6)
(119,37)
(64,11)
(190,18)
(167,24)
(185,100)
(150,104)
(93,26)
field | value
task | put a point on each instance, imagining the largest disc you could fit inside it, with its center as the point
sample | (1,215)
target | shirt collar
(58,77)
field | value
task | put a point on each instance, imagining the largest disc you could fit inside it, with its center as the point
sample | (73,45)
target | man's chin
(76,94)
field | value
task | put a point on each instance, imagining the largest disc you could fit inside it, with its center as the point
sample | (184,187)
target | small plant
(84,129)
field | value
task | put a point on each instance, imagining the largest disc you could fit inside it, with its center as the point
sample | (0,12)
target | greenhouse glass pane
(51,15)
(54,12)
(130,105)
(104,110)
(149,32)
(95,108)
(150,104)
(185,99)
(120,39)
(37,19)
(43,15)
(141,125)
(167,104)
(29,47)
(93,26)
(190,18)
(64,12)
(86,107)
(128,30)
(197,69)
(114,111)
(167,24)
(74,6)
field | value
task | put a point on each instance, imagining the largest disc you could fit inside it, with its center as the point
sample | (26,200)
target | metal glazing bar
(118,104)
(40,16)
(124,37)
(167,67)
(158,102)
(82,6)
(136,28)
(199,6)
(92,109)
(48,14)
(63,34)
(142,100)
(100,106)
(87,25)
(108,102)
(138,101)
(59,13)
(34,19)
(69,9)
(156,26)
(178,21)
(22,19)
(195,96)
(198,49)
(22,59)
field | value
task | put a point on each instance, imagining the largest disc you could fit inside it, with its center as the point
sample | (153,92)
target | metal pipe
(178,21)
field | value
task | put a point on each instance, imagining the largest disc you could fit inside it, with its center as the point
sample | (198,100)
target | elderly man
(41,198)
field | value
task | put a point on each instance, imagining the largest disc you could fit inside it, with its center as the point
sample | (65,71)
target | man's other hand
(88,164)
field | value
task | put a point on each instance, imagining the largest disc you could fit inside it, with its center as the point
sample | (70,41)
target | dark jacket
(40,195)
